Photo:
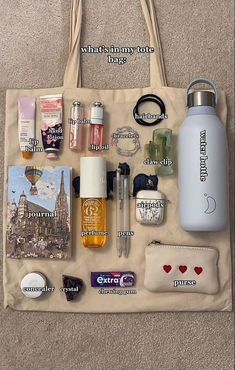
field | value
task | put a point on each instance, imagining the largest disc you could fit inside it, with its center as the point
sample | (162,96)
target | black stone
(71,282)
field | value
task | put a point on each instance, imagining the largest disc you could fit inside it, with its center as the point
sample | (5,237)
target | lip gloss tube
(76,126)
(96,127)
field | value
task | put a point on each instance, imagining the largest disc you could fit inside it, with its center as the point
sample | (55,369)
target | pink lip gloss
(96,127)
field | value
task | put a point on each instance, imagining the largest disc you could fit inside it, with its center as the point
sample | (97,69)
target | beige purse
(119,104)
(177,268)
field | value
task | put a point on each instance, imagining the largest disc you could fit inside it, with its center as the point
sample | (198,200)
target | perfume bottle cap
(32,284)
(93,177)
(97,113)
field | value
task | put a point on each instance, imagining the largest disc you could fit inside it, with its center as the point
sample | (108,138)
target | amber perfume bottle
(96,127)
(93,193)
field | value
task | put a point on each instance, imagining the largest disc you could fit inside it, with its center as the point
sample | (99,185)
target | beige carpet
(197,39)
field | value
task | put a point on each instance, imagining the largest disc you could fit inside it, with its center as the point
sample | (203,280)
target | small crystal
(74,286)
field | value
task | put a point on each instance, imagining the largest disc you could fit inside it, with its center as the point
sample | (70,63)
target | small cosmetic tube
(51,107)
(96,127)
(76,126)
(26,125)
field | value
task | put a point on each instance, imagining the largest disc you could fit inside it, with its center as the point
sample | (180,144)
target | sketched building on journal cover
(38,212)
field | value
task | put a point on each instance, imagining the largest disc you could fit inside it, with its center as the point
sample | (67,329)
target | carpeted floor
(197,38)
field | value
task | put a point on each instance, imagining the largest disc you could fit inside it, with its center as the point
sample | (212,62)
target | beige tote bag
(119,105)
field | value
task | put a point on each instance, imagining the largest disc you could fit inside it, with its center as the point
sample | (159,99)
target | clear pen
(119,219)
(126,214)
(122,194)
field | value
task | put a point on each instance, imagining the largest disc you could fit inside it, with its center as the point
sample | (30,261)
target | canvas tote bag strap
(72,76)
(157,68)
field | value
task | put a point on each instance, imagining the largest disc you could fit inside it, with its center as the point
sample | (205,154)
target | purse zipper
(155,242)
(158,242)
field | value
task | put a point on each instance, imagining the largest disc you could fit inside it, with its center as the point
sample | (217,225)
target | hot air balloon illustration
(33,174)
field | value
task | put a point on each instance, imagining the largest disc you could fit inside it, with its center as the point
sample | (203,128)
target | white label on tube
(26,132)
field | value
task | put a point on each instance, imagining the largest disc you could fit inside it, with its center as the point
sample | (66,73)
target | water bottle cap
(201,98)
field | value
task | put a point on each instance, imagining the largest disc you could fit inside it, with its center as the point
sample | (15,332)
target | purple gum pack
(113,279)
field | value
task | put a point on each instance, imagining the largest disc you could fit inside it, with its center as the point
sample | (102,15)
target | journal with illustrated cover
(38,212)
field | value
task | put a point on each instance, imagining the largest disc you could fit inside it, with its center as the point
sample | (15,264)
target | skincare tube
(26,125)
(51,107)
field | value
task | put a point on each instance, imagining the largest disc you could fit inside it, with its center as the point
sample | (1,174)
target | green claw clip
(160,150)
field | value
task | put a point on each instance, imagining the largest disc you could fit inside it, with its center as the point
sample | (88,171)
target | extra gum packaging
(113,279)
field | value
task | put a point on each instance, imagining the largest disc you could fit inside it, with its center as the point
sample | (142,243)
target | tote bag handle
(72,76)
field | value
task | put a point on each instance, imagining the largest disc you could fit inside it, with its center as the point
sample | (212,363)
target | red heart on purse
(198,270)
(167,268)
(183,269)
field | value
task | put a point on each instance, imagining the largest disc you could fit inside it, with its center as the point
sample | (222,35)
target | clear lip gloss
(96,127)
(76,126)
